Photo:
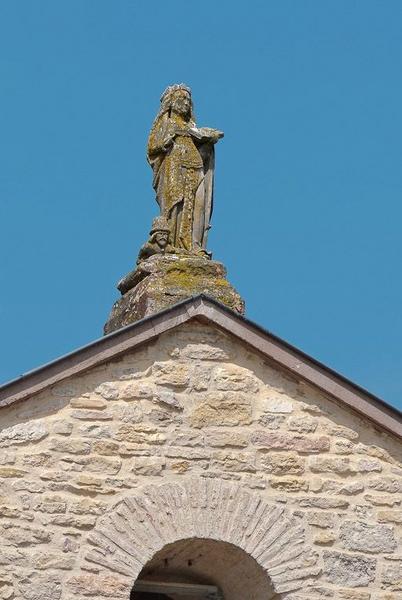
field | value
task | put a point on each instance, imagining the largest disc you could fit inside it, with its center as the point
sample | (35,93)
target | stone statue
(174,263)
(182,158)
(158,242)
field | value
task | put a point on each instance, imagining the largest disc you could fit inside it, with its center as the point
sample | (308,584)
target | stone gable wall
(198,405)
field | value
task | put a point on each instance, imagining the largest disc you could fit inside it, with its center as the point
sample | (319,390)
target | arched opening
(202,569)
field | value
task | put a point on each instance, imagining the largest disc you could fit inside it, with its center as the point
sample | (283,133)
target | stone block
(134,434)
(350,570)
(302,424)
(277,404)
(222,409)
(275,440)
(171,373)
(204,351)
(282,463)
(33,431)
(92,402)
(149,466)
(234,378)
(289,484)
(234,461)
(70,446)
(391,575)
(271,421)
(390,485)
(220,439)
(363,537)
(390,516)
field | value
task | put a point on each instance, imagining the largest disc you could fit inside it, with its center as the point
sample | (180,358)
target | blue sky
(308,187)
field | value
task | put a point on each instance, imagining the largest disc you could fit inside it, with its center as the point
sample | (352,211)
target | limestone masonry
(195,436)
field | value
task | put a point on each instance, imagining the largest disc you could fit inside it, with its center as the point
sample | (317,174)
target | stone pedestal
(164,280)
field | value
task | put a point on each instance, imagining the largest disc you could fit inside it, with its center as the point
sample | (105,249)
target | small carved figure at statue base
(158,242)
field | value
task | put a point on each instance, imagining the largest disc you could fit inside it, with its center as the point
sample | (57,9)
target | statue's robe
(183,181)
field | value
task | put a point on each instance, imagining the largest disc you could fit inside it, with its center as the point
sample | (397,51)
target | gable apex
(205,309)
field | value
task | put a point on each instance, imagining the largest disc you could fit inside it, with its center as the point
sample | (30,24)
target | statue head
(177,98)
(160,232)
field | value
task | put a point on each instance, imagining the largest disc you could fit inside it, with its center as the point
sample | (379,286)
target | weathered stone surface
(50,505)
(204,351)
(48,560)
(391,576)
(282,463)
(302,424)
(320,519)
(9,472)
(218,438)
(70,446)
(163,280)
(319,502)
(340,431)
(390,516)
(382,500)
(135,434)
(149,466)
(367,538)
(230,461)
(63,427)
(108,390)
(353,595)
(391,485)
(40,587)
(324,538)
(96,586)
(22,536)
(289,484)
(7,458)
(91,415)
(233,378)
(187,437)
(329,464)
(349,569)
(271,421)
(222,408)
(33,431)
(171,373)
(289,441)
(277,404)
(94,464)
(10,555)
(92,402)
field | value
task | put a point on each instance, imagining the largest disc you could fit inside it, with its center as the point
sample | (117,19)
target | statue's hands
(169,139)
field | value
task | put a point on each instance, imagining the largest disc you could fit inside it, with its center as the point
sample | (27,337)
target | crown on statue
(171,89)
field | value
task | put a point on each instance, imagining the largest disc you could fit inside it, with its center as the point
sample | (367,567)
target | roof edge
(284,354)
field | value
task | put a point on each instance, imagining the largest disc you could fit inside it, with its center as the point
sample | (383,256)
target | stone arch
(142,523)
